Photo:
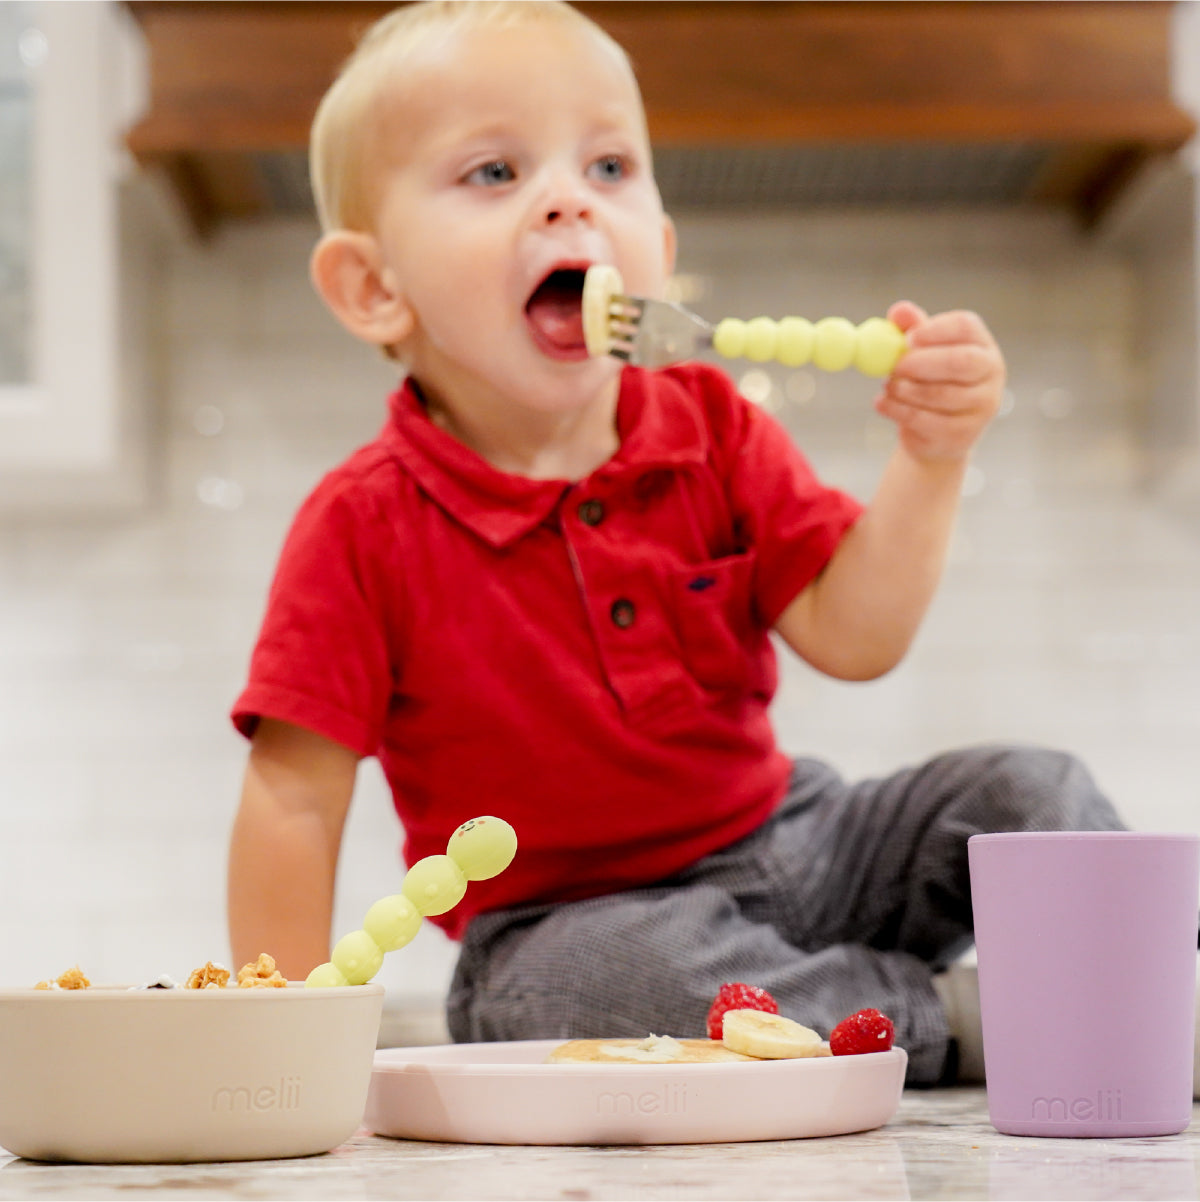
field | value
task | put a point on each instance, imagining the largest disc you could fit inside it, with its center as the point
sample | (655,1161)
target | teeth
(601,283)
(769,1036)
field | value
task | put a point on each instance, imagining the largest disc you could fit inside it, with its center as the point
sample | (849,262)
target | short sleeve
(323,656)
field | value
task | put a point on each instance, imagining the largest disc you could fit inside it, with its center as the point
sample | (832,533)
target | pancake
(657,1049)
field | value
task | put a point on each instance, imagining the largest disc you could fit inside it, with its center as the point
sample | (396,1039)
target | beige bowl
(157,1076)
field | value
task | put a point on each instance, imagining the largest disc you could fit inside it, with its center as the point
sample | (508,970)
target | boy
(545,591)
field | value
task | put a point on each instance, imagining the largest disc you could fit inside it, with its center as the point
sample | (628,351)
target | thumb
(906,315)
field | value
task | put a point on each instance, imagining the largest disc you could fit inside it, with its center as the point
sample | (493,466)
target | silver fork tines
(624,318)
(651,333)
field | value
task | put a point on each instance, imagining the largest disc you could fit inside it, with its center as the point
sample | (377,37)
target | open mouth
(555,314)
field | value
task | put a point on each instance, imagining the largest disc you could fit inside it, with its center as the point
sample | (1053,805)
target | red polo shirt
(589,661)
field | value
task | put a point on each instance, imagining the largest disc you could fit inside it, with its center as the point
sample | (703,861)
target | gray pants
(851,895)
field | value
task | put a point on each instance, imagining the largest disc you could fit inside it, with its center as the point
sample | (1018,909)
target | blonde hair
(339,141)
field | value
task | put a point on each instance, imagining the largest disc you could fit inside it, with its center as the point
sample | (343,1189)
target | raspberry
(734,995)
(866,1031)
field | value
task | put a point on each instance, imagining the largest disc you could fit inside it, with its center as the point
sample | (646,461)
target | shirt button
(591,512)
(622,613)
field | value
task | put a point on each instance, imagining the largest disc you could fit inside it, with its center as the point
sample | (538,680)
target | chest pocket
(724,647)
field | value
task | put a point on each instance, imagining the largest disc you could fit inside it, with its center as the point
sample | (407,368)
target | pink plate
(505,1093)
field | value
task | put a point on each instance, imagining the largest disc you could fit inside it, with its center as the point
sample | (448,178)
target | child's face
(512,155)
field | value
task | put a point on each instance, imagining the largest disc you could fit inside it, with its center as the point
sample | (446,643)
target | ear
(348,273)
(668,245)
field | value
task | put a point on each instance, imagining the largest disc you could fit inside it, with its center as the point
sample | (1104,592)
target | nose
(565,200)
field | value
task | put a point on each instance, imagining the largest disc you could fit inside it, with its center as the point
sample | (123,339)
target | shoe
(958,989)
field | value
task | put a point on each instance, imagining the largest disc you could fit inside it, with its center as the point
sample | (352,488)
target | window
(21,49)
(61,88)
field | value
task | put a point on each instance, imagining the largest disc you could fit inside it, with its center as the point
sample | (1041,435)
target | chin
(586,375)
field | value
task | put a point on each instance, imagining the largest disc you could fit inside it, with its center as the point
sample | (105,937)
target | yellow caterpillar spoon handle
(831,344)
(479,849)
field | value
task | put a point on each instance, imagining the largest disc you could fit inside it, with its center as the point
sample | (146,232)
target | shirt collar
(659,426)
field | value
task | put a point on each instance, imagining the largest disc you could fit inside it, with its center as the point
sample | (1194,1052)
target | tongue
(555,312)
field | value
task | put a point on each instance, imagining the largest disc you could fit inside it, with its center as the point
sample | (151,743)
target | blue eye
(498,171)
(610,168)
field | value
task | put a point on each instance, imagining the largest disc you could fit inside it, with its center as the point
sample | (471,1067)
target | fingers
(947,385)
(974,405)
(961,363)
(928,420)
(906,315)
(955,325)
(943,329)
(949,348)
(941,396)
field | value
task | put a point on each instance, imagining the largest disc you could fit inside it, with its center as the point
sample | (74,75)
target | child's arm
(284,850)
(858,618)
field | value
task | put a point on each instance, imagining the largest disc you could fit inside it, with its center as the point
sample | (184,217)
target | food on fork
(602,288)
(479,849)
(653,333)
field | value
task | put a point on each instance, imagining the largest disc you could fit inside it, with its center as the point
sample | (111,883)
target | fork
(654,333)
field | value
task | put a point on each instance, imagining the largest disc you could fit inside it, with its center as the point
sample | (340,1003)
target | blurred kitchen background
(170,389)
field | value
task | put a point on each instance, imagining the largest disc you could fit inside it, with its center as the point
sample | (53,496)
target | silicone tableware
(504,1093)
(1087,959)
(118,1075)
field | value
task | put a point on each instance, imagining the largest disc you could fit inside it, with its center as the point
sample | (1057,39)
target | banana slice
(770,1036)
(601,283)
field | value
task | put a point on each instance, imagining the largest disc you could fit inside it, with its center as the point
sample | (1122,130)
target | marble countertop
(940,1145)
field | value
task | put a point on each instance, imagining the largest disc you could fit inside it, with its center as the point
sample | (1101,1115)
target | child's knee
(1041,788)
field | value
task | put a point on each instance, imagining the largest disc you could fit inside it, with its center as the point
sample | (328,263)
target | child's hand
(946,387)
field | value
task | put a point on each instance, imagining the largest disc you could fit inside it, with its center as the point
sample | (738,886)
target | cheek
(461,312)
(647,266)
(650,270)
(444,274)
(467,272)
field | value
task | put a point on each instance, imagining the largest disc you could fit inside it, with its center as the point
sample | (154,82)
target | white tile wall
(1069,613)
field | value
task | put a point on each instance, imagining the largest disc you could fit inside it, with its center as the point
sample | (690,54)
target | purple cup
(1087,979)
